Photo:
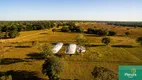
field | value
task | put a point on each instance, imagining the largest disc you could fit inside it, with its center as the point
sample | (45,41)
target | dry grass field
(19,56)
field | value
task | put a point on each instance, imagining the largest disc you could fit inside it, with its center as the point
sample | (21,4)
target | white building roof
(81,49)
(57,47)
(71,49)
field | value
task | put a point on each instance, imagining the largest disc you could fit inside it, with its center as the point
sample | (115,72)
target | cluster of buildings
(71,49)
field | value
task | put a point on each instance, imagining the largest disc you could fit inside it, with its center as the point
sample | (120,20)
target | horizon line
(77,20)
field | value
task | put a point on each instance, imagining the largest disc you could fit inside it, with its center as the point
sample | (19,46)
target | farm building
(57,47)
(71,49)
(81,49)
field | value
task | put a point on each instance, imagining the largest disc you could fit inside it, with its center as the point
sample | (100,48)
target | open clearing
(20,55)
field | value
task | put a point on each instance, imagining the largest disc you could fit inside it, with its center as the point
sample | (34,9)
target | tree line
(71,27)
(11,29)
(131,24)
(101,32)
(26,25)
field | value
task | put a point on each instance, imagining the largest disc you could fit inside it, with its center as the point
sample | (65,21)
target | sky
(112,10)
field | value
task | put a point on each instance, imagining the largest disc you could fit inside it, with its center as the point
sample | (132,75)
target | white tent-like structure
(81,49)
(57,47)
(71,49)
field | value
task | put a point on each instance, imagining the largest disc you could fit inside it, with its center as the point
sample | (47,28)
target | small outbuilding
(81,49)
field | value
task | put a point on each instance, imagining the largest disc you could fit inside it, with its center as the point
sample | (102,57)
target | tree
(1,53)
(58,24)
(79,29)
(64,24)
(52,67)
(81,40)
(5,77)
(72,26)
(106,40)
(90,30)
(101,32)
(65,29)
(13,33)
(53,30)
(0,29)
(34,43)
(139,40)
(127,33)
(6,34)
(46,50)
(1,35)
(101,73)
(111,33)
(4,29)
(51,24)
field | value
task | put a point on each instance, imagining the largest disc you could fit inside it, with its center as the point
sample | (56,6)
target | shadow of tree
(44,33)
(95,45)
(6,61)
(35,56)
(123,46)
(2,74)
(21,75)
(65,44)
(90,35)
(22,46)
(60,55)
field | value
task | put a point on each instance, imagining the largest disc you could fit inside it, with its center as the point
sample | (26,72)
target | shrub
(106,40)
(52,67)
(111,33)
(65,29)
(101,73)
